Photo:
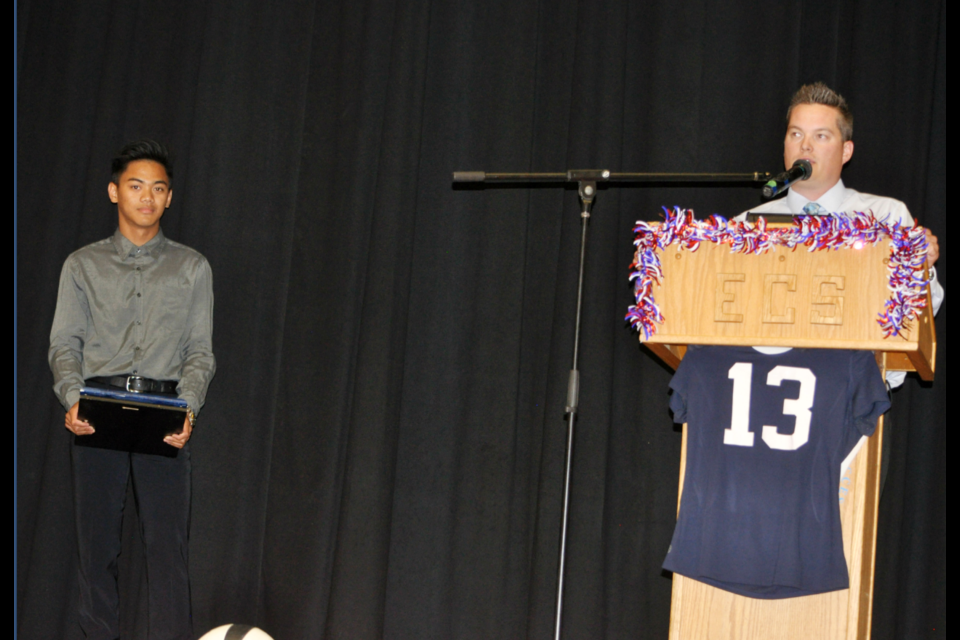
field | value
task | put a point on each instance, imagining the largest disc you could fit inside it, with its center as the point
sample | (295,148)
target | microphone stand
(587,181)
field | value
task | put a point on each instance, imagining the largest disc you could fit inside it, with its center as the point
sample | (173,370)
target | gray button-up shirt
(124,310)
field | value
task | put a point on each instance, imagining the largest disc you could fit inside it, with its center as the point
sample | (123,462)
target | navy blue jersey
(760,512)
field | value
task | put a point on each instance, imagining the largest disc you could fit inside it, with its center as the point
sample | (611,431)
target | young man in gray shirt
(134,311)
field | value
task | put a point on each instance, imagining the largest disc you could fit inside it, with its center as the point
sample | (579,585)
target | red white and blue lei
(908,282)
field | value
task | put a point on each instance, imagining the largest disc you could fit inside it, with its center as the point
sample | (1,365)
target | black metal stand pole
(588,192)
(588,180)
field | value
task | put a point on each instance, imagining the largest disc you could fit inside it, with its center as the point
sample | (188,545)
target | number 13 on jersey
(739,434)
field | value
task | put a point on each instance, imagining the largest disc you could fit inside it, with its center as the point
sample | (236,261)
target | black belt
(138,384)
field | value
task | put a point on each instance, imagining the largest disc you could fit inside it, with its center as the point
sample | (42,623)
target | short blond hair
(819,93)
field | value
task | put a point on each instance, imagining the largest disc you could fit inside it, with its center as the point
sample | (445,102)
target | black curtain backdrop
(381,453)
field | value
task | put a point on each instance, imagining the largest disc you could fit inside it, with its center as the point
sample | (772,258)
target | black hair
(141,150)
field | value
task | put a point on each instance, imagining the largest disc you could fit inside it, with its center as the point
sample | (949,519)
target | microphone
(801,170)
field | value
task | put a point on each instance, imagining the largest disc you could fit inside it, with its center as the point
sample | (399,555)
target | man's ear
(112,192)
(169,199)
(847,151)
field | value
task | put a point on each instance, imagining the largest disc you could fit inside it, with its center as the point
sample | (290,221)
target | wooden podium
(789,298)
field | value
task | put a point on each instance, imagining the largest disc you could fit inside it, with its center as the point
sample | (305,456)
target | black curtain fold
(381,454)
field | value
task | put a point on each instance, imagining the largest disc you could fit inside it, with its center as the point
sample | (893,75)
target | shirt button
(138,295)
(138,323)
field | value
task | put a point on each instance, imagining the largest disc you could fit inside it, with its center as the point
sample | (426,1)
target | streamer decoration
(908,251)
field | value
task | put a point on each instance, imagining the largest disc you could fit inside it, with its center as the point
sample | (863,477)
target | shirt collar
(832,200)
(126,249)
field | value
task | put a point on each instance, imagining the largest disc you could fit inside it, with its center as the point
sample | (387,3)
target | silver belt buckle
(138,384)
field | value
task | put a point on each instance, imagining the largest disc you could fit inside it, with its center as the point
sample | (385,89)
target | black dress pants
(162,490)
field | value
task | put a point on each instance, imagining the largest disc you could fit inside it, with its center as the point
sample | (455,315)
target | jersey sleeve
(680,385)
(868,399)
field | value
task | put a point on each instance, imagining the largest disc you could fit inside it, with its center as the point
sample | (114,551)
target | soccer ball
(236,632)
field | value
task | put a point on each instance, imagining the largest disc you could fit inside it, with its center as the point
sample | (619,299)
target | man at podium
(820,130)
(760,514)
